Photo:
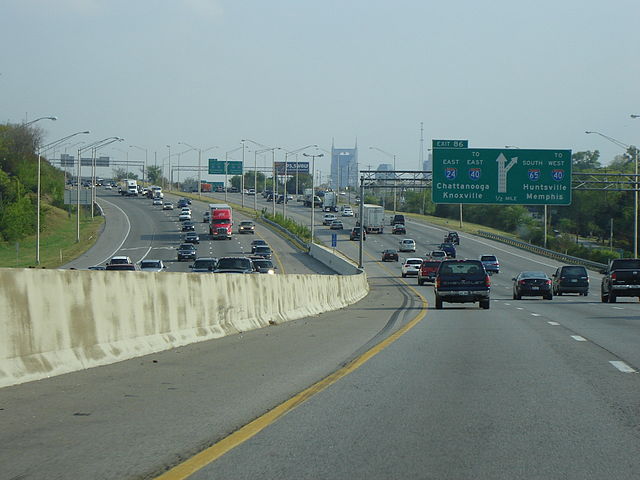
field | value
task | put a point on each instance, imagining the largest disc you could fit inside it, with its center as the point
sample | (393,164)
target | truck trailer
(372,218)
(221,217)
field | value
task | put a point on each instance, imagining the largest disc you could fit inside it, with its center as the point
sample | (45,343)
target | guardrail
(542,251)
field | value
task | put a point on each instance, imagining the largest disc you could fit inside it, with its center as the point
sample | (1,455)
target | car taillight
(487,281)
(613,276)
(548,282)
(521,282)
(437,282)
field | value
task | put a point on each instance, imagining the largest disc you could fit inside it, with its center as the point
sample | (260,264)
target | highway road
(136,228)
(529,389)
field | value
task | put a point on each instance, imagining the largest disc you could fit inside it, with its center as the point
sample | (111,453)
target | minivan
(571,279)
(397,219)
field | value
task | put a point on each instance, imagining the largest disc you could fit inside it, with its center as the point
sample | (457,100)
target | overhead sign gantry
(500,176)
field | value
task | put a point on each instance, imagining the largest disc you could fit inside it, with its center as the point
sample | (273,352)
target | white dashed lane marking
(623,367)
(578,338)
(555,324)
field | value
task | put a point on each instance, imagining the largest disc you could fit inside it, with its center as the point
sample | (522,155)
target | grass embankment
(57,241)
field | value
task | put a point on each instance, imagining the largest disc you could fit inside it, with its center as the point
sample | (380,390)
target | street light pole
(38,191)
(95,145)
(41,150)
(286,159)
(144,172)
(313,188)
(635,187)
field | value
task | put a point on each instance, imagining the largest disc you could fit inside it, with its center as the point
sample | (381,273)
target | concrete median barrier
(58,321)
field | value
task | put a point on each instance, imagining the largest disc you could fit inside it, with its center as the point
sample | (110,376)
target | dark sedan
(532,284)
(188,227)
(263,251)
(192,237)
(390,255)
(255,243)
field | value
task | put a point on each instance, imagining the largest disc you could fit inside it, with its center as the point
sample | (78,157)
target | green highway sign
(216,167)
(450,143)
(501,176)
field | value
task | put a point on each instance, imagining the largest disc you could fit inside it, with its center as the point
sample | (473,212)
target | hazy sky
(290,73)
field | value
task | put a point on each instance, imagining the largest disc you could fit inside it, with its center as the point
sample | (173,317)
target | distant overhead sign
(217,167)
(501,176)
(450,143)
(292,168)
(71,197)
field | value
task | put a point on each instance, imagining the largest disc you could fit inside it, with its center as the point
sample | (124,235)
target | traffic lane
(465,394)
(152,411)
(613,327)
(146,229)
(113,234)
(292,260)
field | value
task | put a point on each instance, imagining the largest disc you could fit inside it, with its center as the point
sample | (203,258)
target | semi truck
(309,197)
(373,218)
(221,217)
(330,202)
(129,188)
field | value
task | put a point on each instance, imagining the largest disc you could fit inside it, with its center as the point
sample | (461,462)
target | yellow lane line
(273,252)
(211,454)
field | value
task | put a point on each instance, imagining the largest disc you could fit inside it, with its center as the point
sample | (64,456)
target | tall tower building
(344,167)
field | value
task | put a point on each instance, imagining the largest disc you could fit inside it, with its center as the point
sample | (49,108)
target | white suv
(329,218)
(120,260)
(407,245)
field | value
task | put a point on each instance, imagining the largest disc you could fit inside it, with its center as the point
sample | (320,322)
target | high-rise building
(344,167)
(384,167)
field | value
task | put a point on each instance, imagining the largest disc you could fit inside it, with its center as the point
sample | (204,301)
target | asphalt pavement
(529,389)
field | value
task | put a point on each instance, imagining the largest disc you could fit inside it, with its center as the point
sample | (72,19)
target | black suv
(571,279)
(187,251)
(462,281)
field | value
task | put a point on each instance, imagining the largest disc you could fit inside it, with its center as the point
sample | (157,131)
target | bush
(301,231)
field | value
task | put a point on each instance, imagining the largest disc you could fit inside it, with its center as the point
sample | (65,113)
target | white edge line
(125,237)
(623,367)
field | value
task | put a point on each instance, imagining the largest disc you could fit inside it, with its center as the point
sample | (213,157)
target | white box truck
(330,202)
(373,218)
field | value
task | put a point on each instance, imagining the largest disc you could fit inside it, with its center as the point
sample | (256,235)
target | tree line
(592,215)
(18,182)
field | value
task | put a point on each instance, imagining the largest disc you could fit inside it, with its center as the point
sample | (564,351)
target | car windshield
(246,224)
(574,271)
(187,246)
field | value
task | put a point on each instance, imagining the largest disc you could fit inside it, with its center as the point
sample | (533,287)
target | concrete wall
(334,259)
(57,321)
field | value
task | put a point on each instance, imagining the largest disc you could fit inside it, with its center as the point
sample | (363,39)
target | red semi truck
(221,218)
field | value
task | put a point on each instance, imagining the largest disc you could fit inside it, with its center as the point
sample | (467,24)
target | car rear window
(414,262)
(234,263)
(574,271)
(461,268)
(488,258)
